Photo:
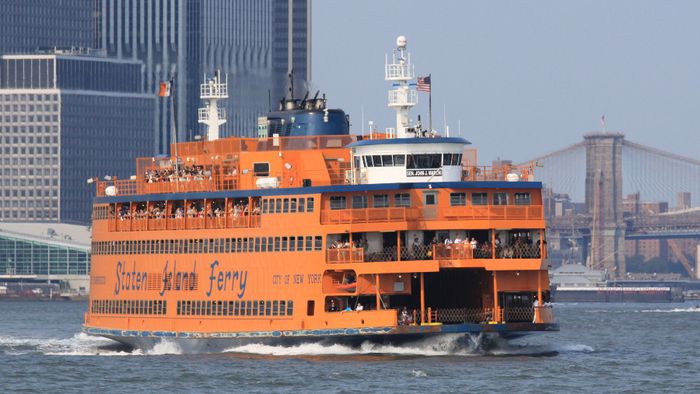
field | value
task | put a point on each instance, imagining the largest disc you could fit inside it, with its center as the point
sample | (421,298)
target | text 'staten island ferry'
(308,233)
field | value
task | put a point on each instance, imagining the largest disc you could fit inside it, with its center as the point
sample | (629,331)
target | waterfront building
(257,44)
(28,25)
(66,117)
(33,253)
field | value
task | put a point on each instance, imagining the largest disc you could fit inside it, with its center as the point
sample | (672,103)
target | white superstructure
(402,97)
(211,91)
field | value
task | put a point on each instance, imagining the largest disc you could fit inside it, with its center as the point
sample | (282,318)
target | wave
(674,310)
(80,344)
(444,345)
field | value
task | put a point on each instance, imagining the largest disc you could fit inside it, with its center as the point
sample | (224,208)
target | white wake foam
(79,344)
(443,345)
(674,310)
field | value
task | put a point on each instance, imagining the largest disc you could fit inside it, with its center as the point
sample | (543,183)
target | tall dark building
(64,118)
(28,25)
(256,43)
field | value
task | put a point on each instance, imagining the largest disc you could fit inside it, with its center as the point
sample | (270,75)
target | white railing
(401,98)
(203,113)
(213,90)
(399,72)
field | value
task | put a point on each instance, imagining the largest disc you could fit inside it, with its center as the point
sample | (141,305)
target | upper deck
(240,164)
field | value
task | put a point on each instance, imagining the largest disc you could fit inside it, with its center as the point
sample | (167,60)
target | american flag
(423,84)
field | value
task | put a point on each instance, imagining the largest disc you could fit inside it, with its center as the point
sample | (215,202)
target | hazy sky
(524,77)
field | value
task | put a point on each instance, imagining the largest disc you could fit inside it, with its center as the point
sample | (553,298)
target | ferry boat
(310,233)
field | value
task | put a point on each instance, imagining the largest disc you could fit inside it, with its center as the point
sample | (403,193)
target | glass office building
(56,253)
(64,118)
(257,43)
(29,25)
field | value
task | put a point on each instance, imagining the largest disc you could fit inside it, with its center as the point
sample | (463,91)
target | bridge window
(293,205)
(359,202)
(424,161)
(458,199)
(480,199)
(500,198)
(301,205)
(430,199)
(402,200)
(399,160)
(261,169)
(377,159)
(387,161)
(451,159)
(522,198)
(338,202)
(380,201)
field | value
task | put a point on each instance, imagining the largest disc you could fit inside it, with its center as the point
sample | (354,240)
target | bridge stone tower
(604,202)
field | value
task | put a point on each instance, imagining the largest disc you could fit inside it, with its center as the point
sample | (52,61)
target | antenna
(362,109)
(211,91)
(444,119)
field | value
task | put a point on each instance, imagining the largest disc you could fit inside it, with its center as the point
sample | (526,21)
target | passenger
(332,307)
(359,307)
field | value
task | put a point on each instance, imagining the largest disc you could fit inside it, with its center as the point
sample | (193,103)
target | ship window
(268,308)
(310,204)
(290,308)
(338,202)
(270,243)
(300,243)
(282,307)
(458,199)
(275,308)
(500,198)
(380,201)
(368,161)
(285,243)
(261,169)
(447,159)
(261,308)
(293,205)
(377,160)
(285,206)
(310,306)
(359,202)
(430,199)
(264,244)
(479,199)
(236,308)
(264,205)
(257,245)
(277,244)
(387,161)
(522,198)
(292,244)
(278,205)
(301,205)
(318,244)
(399,160)
(309,247)
(424,161)
(456,159)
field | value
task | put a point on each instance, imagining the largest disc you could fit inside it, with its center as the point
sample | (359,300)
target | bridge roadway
(661,226)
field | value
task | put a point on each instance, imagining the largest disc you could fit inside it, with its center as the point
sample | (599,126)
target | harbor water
(600,348)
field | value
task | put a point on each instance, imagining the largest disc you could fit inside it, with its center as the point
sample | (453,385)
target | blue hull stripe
(401,330)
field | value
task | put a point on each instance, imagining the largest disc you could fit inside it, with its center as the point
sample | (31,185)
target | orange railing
(172,222)
(537,314)
(345,255)
(473,212)
(486,173)
(130,187)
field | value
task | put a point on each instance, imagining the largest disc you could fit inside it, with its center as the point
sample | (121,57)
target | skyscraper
(29,25)
(64,118)
(257,43)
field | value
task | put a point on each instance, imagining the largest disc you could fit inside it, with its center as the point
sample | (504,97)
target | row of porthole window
(129,307)
(235,308)
(404,200)
(212,245)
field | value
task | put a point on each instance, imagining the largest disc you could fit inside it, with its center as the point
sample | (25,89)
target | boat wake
(79,345)
(463,345)
(674,310)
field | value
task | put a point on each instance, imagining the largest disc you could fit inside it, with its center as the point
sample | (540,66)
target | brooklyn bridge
(607,197)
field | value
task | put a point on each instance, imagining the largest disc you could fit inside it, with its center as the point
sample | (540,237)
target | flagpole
(174,131)
(430,104)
